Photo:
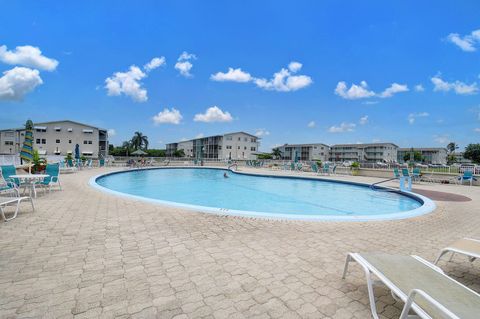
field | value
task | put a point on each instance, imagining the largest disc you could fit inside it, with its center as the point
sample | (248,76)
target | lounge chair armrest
(410,300)
(11,184)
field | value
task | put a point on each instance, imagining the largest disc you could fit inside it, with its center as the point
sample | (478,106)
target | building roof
(304,144)
(363,144)
(199,138)
(52,122)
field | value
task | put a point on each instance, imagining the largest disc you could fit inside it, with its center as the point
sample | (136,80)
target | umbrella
(139,152)
(26,154)
(77,151)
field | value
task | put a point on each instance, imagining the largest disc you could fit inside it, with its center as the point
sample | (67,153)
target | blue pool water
(257,194)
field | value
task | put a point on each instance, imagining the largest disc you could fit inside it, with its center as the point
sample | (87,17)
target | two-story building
(370,152)
(305,152)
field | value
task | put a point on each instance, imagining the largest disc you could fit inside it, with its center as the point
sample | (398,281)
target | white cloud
(127,83)
(284,80)
(234,75)
(27,56)
(370,102)
(184,65)
(311,124)
(458,87)
(362,91)
(213,114)
(393,89)
(168,116)
(419,88)
(111,132)
(262,132)
(363,120)
(294,66)
(466,43)
(413,116)
(477,129)
(154,63)
(17,82)
(343,127)
(441,139)
(200,135)
(354,92)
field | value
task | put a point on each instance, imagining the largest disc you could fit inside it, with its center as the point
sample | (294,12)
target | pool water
(261,195)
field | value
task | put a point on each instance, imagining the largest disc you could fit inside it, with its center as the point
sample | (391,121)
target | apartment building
(430,155)
(236,146)
(58,138)
(305,152)
(370,152)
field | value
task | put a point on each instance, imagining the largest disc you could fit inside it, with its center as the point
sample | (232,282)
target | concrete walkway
(88,254)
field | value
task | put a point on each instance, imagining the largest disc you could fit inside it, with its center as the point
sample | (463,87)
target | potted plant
(355,167)
(39,164)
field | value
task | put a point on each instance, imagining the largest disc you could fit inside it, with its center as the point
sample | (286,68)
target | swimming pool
(206,189)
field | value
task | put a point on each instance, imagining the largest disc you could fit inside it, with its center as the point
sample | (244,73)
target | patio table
(30,180)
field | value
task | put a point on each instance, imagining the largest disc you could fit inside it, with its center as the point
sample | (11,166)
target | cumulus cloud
(393,89)
(111,132)
(127,83)
(419,88)
(27,55)
(343,127)
(363,120)
(458,87)
(477,129)
(154,63)
(441,139)
(213,114)
(184,65)
(233,75)
(362,91)
(413,116)
(284,80)
(168,116)
(311,124)
(262,132)
(17,82)
(466,43)
(200,135)
(354,92)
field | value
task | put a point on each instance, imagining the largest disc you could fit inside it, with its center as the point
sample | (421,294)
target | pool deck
(88,254)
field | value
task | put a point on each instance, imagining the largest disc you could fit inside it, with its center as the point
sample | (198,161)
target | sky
(329,72)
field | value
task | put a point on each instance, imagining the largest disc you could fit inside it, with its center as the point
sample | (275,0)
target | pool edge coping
(428,205)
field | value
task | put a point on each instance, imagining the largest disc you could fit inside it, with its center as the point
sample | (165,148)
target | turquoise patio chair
(468,177)
(292,166)
(416,174)
(9,170)
(314,167)
(396,173)
(7,186)
(53,172)
(101,162)
(326,169)
(405,172)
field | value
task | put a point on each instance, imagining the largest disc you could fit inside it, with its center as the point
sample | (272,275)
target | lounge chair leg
(371,295)
(443,252)
(2,213)
(451,257)
(345,269)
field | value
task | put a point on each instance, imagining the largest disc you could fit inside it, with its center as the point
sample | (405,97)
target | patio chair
(7,187)
(423,287)
(405,172)
(53,170)
(101,162)
(6,201)
(467,176)
(416,174)
(396,173)
(9,170)
(326,169)
(467,246)
(314,167)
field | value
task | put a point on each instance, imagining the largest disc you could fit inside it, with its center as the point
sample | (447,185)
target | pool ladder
(383,189)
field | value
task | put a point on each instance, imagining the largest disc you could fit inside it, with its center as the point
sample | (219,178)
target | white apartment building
(430,155)
(371,152)
(58,138)
(305,152)
(236,146)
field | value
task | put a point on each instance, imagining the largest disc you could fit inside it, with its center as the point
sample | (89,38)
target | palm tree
(139,141)
(127,146)
(276,153)
(452,147)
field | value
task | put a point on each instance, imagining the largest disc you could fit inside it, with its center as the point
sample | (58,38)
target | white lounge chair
(467,246)
(422,286)
(6,201)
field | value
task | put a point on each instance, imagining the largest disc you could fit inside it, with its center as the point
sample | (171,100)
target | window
(41,141)
(85,142)
(37,141)
(57,141)
(253,140)
(69,141)
(245,139)
(229,138)
(44,141)
(229,147)
(239,139)
(245,148)
(252,149)
(8,142)
(89,142)
(238,147)
(41,130)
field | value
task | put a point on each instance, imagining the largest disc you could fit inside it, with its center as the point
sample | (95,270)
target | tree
(276,153)
(139,141)
(179,153)
(472,152)
(264,156)
(451,147)
(417,156)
